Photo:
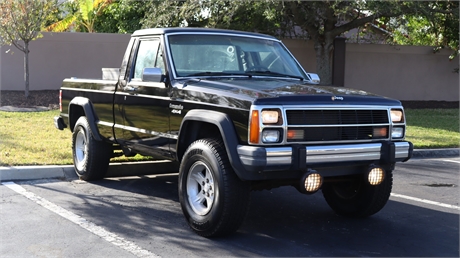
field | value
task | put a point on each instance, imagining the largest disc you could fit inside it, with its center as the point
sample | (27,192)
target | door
(146,104)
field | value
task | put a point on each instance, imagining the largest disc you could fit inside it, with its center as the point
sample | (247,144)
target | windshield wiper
(267,72)
(218,74)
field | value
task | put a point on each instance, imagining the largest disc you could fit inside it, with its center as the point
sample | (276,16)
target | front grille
(337,125)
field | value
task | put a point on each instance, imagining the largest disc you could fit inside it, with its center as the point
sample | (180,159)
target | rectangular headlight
(397,132)
(270,116)
(270,136)
(397,116)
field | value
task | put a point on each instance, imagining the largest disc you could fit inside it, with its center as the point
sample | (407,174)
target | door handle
(130,89)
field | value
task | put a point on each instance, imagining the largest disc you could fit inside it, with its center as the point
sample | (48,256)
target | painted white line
(454,161)
(91,227)
(426,201)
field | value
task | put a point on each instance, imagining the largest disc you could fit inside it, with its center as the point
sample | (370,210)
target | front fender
(227,131)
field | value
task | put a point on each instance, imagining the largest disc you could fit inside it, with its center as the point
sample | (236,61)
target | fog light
(397,132)
(270,136)
(376,175)
(313,182)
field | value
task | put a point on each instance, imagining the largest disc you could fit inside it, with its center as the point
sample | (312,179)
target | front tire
(90,157)
(357,198)
(213,199)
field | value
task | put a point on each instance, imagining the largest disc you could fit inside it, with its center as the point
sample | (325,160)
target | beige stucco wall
(405,73)
(61,55)
(402,72)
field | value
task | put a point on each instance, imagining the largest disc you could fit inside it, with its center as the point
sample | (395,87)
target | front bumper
(300,157)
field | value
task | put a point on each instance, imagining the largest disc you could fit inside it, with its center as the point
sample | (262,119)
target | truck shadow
(280,222)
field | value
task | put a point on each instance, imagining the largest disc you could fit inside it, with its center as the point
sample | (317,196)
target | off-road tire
(213,199)
(357,198)
(90,157)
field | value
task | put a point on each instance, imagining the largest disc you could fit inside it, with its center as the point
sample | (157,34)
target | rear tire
(213,199)
(90,157)
(357,198)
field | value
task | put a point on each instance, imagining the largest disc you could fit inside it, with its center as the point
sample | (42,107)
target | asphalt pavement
(20,173)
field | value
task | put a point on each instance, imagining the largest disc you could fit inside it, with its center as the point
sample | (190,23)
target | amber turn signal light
(254,127)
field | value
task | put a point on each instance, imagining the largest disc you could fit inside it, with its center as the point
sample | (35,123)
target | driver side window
(148,56)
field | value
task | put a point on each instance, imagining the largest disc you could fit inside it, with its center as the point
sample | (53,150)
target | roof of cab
(185,30)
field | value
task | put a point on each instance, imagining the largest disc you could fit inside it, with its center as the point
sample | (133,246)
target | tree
(258,16)
(438,26)
(326,20)
(20,23)
(121,16)
(323,21)
(82,15)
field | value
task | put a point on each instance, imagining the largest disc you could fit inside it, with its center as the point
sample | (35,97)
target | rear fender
(80,106)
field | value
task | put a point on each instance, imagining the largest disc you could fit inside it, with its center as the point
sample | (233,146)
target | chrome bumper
(280,158)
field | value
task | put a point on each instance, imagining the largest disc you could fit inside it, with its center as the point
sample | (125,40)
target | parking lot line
(426,201)
(454,161)
(82,222)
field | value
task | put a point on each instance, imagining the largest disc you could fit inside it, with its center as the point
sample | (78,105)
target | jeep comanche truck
(236,112)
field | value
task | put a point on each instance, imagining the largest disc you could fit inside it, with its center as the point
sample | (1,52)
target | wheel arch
(80,106)
(199,124)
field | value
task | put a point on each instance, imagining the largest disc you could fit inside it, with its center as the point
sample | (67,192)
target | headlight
(270,116)
(397,132)
(397,116)
(270,136)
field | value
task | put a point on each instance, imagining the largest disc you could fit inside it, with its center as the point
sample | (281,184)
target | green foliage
(435,24)
(82,15)
(244,15)
(122,16)
(22,20)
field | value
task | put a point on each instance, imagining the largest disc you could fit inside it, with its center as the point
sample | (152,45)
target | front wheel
(213,199)
(90,157)
(356,197)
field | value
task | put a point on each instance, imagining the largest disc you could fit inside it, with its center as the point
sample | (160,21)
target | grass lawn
(433,128)
(31,138)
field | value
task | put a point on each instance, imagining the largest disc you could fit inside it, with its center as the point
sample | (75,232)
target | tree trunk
(324,52)
(26,68)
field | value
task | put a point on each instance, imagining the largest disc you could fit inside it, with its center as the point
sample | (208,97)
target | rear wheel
(90,157)
(213,199)
(357,198)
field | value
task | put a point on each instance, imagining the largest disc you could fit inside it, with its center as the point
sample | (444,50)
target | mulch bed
(45,98)
(50,98)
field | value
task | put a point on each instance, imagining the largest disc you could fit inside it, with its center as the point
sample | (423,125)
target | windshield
(223,55)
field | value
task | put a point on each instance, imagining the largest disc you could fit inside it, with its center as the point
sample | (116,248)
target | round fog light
(376,176)
(313,182)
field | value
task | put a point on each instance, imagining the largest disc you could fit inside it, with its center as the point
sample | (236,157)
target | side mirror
(313,77)
(152,75)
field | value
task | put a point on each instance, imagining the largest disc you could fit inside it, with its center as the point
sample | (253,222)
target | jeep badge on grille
(336,98)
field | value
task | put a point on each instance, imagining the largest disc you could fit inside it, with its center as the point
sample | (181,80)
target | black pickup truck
(237,112)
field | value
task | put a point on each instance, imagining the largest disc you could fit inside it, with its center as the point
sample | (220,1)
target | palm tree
(85,16)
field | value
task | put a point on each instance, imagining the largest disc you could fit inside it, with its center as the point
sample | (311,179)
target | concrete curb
(29,109)
(22,173)
(435,153)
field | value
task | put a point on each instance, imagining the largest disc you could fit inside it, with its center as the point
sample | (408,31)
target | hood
(268,91)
